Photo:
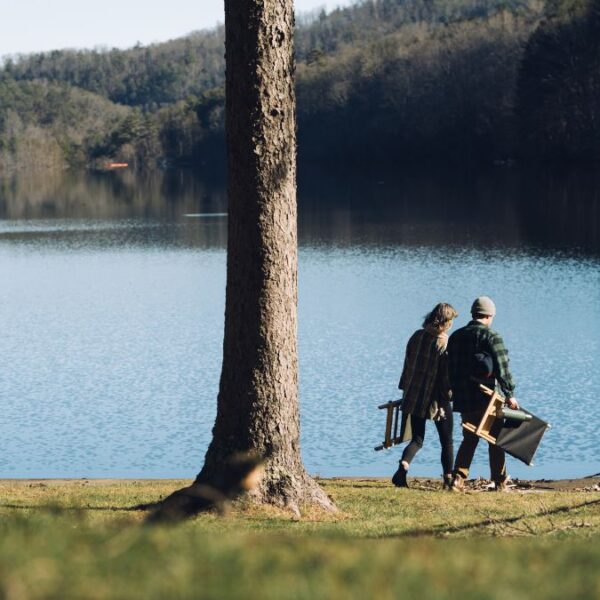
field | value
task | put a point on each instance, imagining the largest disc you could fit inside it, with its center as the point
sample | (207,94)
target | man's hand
(512,403)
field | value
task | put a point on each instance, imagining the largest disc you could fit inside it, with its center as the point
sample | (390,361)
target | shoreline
(587,483)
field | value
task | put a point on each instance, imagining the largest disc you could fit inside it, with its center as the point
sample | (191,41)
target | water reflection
(154,195)
(501,208)
(108,209)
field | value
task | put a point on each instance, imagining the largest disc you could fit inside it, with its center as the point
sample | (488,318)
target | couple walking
(440,370)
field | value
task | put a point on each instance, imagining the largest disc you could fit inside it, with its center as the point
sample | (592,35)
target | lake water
(112,298)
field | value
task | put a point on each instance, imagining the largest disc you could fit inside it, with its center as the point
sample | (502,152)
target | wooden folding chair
(492,412)
(517,431)
(392,422)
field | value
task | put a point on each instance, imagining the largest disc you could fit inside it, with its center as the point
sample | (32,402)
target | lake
(112,301)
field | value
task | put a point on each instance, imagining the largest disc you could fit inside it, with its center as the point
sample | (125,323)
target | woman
(427,391)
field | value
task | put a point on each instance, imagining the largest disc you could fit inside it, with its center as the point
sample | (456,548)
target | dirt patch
(582,484)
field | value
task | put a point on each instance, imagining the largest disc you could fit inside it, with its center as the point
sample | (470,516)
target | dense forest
(382,80)
(559,85)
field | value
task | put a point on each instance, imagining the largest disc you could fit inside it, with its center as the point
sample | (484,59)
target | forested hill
(148,77)
(160,74)
(380,80)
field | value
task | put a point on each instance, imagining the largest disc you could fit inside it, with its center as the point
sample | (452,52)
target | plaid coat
(463,345)
(424,379)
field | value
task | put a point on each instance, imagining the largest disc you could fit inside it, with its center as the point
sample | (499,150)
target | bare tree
(257,410)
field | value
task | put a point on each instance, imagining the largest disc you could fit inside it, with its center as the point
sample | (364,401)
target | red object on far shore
(116,165)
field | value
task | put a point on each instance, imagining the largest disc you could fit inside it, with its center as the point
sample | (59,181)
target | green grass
(80,540)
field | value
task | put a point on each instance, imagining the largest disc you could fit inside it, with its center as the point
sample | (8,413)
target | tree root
(242,474)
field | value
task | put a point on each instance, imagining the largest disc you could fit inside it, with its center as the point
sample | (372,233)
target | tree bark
(257,407)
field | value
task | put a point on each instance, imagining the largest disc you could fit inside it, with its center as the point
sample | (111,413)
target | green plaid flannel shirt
(462,347)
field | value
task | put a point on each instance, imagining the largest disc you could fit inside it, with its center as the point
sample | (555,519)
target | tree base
(292,494)
(287,492)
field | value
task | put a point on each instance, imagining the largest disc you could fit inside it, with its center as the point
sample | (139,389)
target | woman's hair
(440,315)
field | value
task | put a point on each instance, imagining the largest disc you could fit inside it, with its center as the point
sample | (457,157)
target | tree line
(381,80)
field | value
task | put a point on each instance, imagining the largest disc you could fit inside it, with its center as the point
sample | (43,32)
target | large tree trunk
(257,408)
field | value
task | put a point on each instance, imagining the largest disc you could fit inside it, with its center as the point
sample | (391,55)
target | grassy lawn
(81,539)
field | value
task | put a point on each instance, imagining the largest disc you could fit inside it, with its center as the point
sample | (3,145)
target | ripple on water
(112,350)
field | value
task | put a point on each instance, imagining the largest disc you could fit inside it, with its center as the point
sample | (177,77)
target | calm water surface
(112,300)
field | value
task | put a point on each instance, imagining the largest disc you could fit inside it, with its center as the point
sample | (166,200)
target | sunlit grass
(87,540)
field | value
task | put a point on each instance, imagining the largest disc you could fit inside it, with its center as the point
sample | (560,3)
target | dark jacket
(463,345)
(424,379)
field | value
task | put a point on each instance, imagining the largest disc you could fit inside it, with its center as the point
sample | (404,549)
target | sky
(40,25)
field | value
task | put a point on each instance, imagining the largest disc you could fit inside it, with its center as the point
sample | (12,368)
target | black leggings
(444,428)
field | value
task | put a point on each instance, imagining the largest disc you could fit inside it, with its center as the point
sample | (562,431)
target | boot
(447,481)
(399,477)
(458,483)
(501,486)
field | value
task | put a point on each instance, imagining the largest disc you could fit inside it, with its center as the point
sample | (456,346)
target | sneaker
(399,478)
(458,484)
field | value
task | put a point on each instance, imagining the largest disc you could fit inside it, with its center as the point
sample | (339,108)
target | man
(476,354)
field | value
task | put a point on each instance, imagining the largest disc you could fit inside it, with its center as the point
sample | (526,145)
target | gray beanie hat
(483,306)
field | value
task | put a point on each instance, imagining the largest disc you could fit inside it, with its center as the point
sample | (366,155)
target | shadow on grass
(54,508)
(411,533)
(240,473)
(448,529)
